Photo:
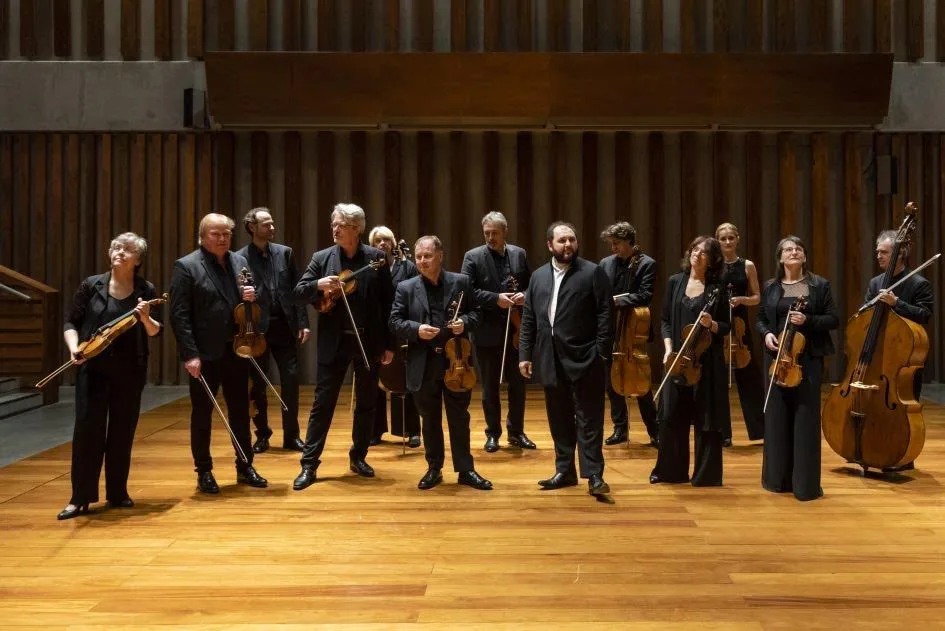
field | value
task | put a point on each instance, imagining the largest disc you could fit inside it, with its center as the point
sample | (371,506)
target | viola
(785,370)
(684,366)
(329,298)
(515,312)
(738,354)
(630,374)
(873,417)
(248,341)
(460,376)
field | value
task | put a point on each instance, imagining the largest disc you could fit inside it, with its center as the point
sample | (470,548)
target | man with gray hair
(499,273)
(346,324)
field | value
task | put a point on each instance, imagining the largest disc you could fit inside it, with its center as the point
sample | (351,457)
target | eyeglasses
(341,225)
(792,248)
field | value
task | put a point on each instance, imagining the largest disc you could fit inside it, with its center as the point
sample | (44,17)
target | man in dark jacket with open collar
(284,323)
(204,292)
(499,273)
(565,339)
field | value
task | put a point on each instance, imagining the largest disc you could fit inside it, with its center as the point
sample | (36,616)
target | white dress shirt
(559,273)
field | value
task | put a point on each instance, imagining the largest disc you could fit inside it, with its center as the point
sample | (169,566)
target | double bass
(630,374)
(872,418)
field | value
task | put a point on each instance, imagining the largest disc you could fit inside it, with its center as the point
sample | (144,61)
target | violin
(349,281)
(785,371)
(102,338)
(630,373)
(738,354)
(684,367)
(460,376)
(873,417)
(248,341)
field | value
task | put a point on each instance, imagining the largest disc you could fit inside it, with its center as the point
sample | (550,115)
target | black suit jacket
(640,289)
(583,321)
(370,303)
(821,315)
(915,296)
(411,309)
(286,276)
(402,270)
(201,308)
(90,302)
(481,269)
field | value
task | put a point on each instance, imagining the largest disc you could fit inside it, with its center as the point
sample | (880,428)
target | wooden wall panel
(88,178)
(622,27)
(393,178)
(653,26)
(131,29)
(6,200)
(557,25)
(458,12)
(939,30)
(156,267)
(852,18)
(721,30)
(291,230)
(37,218)
(525,227)
(721,168)
(195,28)
(327,29)
(820,201)
(103,197)
(785,23)
(459,194)
(819,37)
(259,171)
(882,26)
(62,28)
(882,146)
(915,29)
(653,245)
(171,248)
(930,241)
(490,170)
(591,12)
(753,195)
(426,174)
(523,26)
(226,24)
(423,25)
(292,24)
(359,24)
(688,188)
(137,191)
(391,25)
(787,186)
(21,204)
(325,183)
(163,23)
(94,20)
(359,168)
(4,29)
(622,176)
(225,189)
(754,26)
(204,174)
(28,29)
(70,221)
(558,165)
(589,196)
(687,27)
(491,25)
(852,293)
(120,200)
(258,13)
(187,192)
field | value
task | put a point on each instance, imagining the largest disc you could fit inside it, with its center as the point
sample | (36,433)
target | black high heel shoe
(69,513)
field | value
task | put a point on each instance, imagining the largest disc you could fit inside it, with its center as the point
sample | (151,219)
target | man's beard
(561,260)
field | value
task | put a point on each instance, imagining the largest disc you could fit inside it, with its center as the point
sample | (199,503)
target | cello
(872,417)
(630,374)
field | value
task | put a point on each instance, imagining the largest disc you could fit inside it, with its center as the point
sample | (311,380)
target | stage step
(17,401)
(9,384)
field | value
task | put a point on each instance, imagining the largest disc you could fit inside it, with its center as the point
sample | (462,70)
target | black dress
(749,379)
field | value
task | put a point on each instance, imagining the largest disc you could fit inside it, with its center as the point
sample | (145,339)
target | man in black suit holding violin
(499,273)
(342,342)
(565,341)
(204,293)
(424,314)
(284,323)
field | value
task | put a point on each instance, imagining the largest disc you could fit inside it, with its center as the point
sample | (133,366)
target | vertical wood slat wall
(45,28)
(80,190)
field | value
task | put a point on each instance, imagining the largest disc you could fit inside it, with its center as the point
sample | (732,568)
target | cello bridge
(859,385)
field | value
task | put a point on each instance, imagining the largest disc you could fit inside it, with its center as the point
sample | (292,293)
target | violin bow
(354,325)
(669,371)
(777,359)
(875,299)
(731,336)
(226,421)
(508,322)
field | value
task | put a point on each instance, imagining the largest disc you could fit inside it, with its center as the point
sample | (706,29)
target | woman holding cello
(792,414)
(740,284)
(694,323)
(404,415)
(108,386)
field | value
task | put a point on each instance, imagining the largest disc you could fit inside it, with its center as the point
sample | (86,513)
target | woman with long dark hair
(792,419)
(704,404)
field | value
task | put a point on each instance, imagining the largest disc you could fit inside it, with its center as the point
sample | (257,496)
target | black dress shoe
(597,486)
(492,444)
(305,478)
(295,444)
(414,442)
(261,445)
(249,476)
(727,442)
(558,481)
(620,435)
(476,481)
(375,441)
(909,466)
(655,441)
(125,503)
(430,479)
(72,510)
(521,441)
(207,483)
(362,468)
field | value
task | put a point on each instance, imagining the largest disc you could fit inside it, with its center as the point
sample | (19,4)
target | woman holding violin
(792,414)
(740,285)
(109,385)
(403,411)
(694,324)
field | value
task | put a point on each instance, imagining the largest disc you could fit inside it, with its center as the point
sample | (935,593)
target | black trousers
(329,378)
(618,409)
(792,436)
(401,406)
(490,364)
(430,399)
(576,418)
(232,373)
(680,411)
(281,346)
(751,396)
(107,405)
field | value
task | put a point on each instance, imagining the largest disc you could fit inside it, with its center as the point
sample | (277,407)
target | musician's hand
(798,318)
(387,357)
(771,341)
(143,310)
(518,299)
(304,334)
(328,283)
(888,297)
(706,320)
(249,293)
(457,327)
(505,301)
(76,360)
(666,355)
(734,301)
(526,369)
(427,332)
(192,366)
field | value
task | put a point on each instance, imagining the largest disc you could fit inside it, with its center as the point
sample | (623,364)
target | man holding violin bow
(284,323)
(499,273)
(351,284)
(204,293)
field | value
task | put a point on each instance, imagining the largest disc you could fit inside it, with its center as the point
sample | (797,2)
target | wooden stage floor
(380,552)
